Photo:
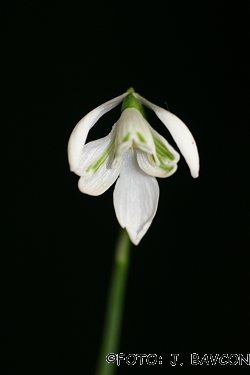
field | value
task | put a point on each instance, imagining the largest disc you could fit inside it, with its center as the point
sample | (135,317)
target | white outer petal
(80,132)
(136,198)
(180,132)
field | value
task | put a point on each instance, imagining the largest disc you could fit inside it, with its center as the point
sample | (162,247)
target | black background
(188,285)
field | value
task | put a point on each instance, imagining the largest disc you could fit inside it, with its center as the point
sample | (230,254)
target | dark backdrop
(188,285)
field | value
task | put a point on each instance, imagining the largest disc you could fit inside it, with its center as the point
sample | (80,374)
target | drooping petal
(133,131)
(136,197)
(180,132)
(152,169)
(81,130)
(95,165)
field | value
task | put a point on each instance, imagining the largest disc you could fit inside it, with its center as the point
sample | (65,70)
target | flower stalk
(113,319)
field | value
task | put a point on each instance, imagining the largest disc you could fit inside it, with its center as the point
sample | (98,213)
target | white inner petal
(95,166)
(133,131)
(161,171)
(95,153)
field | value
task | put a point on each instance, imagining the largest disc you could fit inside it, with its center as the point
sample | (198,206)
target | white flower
(136,153)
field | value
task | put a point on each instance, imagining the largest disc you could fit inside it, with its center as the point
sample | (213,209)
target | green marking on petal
(166,168)
(153,157)
(98,162)
(162,150)
(126,137)
(140,137)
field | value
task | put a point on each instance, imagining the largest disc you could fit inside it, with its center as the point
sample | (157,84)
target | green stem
(112,326)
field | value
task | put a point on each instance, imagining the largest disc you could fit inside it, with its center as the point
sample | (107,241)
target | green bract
(130,101)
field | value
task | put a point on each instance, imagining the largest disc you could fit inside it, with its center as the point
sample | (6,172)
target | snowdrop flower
(134,152)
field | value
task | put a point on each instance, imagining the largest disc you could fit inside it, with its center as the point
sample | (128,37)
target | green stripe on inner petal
(99,161)
(162,164)
(166,168)
(126,138)
(161,149)
(140,137)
